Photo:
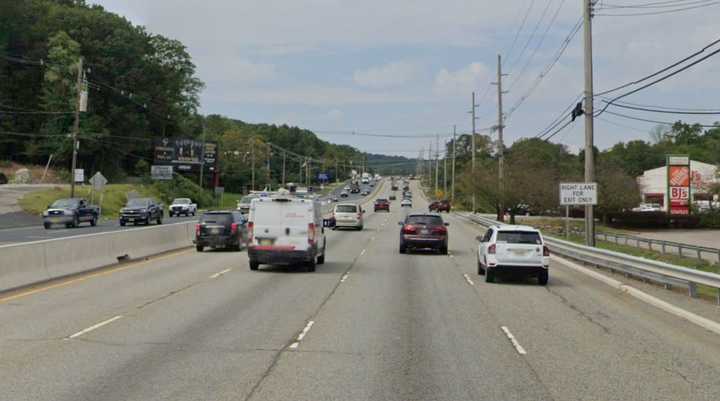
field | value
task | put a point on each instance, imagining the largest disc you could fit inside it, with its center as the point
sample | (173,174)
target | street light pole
(589,122)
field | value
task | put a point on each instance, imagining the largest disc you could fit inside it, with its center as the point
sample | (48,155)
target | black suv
(221,229)
(141,210)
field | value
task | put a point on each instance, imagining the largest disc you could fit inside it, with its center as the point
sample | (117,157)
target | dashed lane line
(302,335)
(220,273)
(94,327)
(513,340)
(468,279)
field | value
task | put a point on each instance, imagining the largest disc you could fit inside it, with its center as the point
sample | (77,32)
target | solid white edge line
(97,326)
(698,320)
(514,342)
(344,277)
(218,274)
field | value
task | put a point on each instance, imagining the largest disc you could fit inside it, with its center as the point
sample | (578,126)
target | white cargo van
(286,230)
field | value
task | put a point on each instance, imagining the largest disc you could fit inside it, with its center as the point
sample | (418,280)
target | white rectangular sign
(79,175)
(161,172)
(578,193)
(678,160)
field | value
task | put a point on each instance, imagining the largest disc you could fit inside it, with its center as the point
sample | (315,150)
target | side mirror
(446,223)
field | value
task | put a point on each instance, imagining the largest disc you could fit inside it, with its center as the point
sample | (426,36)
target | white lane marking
(363,252)
(372,238)
(468,279)
(514,342)
(344,277)
(294,345)
(302,335)
(97,326)
(218,274)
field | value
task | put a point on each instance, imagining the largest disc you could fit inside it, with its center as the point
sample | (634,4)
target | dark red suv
(440,206)
(382,204)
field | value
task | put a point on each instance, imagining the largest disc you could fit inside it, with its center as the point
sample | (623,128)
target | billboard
(679,180)
(186,154)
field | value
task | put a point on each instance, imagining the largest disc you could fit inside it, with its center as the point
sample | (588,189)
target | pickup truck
(182,206)
(440,206)
(70,212)
(141,210)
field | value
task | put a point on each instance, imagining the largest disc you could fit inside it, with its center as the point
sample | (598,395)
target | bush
(181,187)
(710,219)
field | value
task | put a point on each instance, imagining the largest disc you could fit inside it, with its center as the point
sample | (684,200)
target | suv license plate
(265,241)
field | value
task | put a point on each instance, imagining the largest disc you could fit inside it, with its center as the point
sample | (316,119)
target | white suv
(348,215)
(509,249)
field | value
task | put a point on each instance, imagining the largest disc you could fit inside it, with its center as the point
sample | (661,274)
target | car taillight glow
(251,231)
(439,230)
(491,249)
(311,233)
(197,230)
(233,228)
(546,251)
(409,229)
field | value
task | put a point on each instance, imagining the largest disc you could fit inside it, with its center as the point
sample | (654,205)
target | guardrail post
(663,247)
(680,250)
(692,290)
(718,296)
(699,254)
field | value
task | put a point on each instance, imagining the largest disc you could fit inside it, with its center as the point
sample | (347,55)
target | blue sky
(409,66)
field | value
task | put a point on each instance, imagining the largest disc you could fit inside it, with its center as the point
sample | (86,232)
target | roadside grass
(113,198)
(229,200)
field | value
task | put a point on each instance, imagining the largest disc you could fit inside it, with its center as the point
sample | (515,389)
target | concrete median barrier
(34,262)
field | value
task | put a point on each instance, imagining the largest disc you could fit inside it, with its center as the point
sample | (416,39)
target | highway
(370,324)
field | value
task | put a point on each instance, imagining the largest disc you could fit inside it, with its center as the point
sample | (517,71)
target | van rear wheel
(543,278)
(254,265)
(310,266)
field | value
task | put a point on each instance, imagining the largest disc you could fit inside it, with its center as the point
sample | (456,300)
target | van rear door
(517,247)
(281,224)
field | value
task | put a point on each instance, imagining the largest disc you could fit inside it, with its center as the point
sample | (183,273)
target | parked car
(182,206)
(70,212)
(648,207)
(348,215)
(286,230)
(423,231)
(513,249)
(382,204)
(141,210)
(221,229)
(406,203)
(440,206)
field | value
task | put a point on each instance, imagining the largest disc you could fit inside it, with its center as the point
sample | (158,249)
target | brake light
(359,216)
(311,234)
(409,229)
(546,250)
(491,249)
(439,230)
(251,231)
(197,230)
(233,228)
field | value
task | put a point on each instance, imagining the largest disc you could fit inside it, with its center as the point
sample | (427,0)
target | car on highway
(344,194)
(392,197)
(406,203)
(348,215)
(382,204)
(70,212)
(424,231)
(221,229)
(440,206)
(243,205)
(347,188)
(286,230)
(513,250)
(182,206)
(141,210)
(365,193)
(334,199)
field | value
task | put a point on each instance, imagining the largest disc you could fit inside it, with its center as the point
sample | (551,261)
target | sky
(409,67)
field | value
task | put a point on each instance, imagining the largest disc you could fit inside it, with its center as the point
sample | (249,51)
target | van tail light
(197,230)
(409,229)
(233,228)
(359,216)
(491,249)
(546,250)
(440,230)
(311,234)
(251,231)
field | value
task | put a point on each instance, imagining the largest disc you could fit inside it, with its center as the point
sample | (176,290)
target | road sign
(79,175)
(161,172)
(578,193)
(219,190)
(98,181)
(323,177)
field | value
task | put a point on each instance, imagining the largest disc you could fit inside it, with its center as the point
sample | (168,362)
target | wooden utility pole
(589,121)
(452,186)
(76,127)
(501,145)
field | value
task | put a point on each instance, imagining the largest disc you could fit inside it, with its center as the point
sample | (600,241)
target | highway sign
(79,175)
(578,193)
(98,181)
(161,172)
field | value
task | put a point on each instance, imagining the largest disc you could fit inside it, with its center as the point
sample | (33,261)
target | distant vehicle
(71,212)
(243,205)
(355,189)
(423,231)
(406,203)
(182,206)
(407,195)
(334,199)
(348,215)
(365,193)
(392,197)
(221,229)
(347,187)
(440,206)
(141,210)
(648,207)
(509,249)
(394,187)
(286,230)
(344,194)
(372,184)
(382,204)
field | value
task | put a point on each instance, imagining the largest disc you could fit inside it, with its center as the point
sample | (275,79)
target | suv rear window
(217,218)
(425,220)
(519,237)
(346,209)
(383,200)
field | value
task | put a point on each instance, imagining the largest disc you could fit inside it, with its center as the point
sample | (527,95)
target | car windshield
(182,201)
(519,237)
(425,220)
(64,203)
(381,200)
(216,218)
(346,209)
(140,202)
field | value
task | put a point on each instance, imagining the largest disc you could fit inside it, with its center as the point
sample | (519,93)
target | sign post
(679,181)
(577,194)
(98,182)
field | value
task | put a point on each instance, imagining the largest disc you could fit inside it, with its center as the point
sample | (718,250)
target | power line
(653,110)
(657,4)
(520,28)
(559,118)
(671,108)
(532,35)
(656,121)
(657,12)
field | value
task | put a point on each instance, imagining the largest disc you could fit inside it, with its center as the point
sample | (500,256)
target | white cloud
(388,75)
(461,81)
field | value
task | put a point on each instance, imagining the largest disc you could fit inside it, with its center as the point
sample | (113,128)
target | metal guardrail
(663,245)
(652,270)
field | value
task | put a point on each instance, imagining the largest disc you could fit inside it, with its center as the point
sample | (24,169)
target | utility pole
(437,162)
(76,128)
(589,122)
(283,168)
(474,119)
(501,144)
(252,161)
(202,160)
(307,172)
(445,176)
(452,186)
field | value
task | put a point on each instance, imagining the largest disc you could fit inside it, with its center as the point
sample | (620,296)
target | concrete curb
(698,320)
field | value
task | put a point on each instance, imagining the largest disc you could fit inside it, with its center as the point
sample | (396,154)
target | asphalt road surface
(370,324)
